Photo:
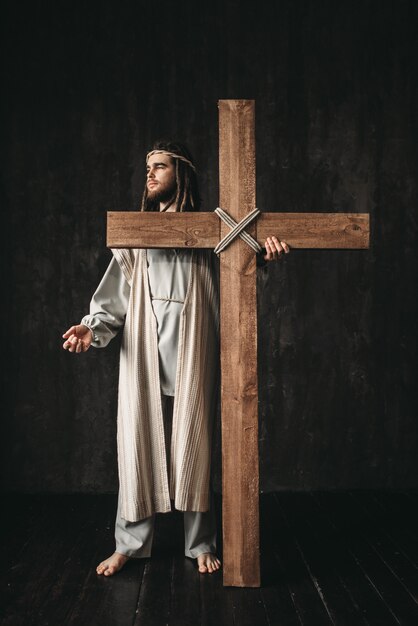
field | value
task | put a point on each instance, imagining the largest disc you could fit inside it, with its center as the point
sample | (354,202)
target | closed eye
(157,165)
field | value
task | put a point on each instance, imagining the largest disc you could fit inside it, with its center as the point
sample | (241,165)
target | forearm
(108,306)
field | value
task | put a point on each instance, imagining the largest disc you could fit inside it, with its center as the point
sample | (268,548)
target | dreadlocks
(186,196)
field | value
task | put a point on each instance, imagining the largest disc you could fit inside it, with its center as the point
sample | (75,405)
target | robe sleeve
(108,306)
(260,260)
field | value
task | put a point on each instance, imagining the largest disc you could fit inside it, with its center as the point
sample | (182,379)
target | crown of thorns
(172,154)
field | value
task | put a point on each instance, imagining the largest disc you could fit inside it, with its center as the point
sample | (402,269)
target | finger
(273,249)
(71,338)
(69,332)
(79,347)
(266,250)
(278,246)
(269,254)
(285,247)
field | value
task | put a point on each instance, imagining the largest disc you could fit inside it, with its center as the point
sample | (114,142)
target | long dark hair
(186,196)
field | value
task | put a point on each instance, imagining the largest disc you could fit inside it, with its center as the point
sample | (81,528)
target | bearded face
(161,178)
(162,192)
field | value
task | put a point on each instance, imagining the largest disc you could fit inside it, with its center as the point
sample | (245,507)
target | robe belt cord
(237,230)
(167,299)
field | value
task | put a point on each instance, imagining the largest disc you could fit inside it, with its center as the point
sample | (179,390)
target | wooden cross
(238,312)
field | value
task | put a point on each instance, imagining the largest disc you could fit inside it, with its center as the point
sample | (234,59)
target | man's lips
(152,184)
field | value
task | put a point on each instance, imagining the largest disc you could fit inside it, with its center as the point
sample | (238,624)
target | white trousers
(134,539)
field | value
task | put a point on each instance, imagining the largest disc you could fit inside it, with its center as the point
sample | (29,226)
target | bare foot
(208,562)
(112,565)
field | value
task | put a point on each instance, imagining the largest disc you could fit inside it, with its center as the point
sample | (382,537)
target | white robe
(146,484)
(168,277)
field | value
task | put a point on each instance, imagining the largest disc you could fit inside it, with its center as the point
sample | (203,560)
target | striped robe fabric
(146,483)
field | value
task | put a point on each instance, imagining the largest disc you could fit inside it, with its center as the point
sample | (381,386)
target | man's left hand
(275,249)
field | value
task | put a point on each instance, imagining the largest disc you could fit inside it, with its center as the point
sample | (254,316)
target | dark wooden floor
(327,558)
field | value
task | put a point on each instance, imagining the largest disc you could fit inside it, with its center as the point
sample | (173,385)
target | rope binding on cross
(237,230)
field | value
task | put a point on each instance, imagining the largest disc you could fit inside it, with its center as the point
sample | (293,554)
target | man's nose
(150,174)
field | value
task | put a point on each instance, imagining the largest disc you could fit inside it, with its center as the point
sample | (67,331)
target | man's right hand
(78,339)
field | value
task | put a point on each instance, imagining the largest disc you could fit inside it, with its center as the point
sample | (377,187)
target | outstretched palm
(78,339)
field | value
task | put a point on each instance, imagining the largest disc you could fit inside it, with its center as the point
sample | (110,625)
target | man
(167,303)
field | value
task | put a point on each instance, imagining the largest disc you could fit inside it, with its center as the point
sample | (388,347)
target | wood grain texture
(316,230)
(341,558)
(136,229)
(239,394)
(238,313)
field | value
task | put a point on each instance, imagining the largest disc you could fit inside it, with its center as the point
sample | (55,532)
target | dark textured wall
(86,89)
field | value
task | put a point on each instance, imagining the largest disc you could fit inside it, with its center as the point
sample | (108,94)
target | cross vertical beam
(239,395)
(238,337)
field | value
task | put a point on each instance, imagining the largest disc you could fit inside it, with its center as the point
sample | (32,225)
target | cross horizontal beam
(238,312)
(136,229)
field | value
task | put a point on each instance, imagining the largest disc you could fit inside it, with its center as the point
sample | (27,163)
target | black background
(87,88)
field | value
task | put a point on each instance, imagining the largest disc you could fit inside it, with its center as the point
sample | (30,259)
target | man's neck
(172,208)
